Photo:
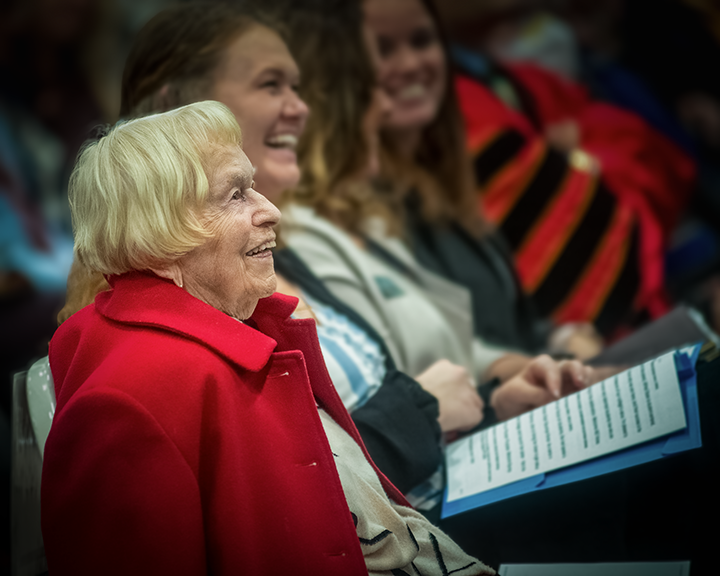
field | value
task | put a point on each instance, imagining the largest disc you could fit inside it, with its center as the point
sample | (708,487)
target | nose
(266,213)
(295,106)
(406,59)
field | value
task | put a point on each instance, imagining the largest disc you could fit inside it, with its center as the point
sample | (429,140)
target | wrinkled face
(234,268)
(258,80)
(412,61)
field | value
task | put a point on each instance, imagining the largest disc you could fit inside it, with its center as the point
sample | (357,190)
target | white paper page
(616,569)
(635,406)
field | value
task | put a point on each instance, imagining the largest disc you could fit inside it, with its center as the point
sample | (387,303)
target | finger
(603,372)
(545,372)
(477,418)
(475,399)
(534,396)
(522,394)
(471,419)
(575,374)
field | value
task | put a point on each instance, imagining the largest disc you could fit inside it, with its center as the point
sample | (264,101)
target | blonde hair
(137,195)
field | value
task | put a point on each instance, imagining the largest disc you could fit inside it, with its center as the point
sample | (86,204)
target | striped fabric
(588,228)
(354,360)
(588,243)
(576,246)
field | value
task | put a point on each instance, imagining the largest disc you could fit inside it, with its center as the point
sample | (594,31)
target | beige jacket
(421,316)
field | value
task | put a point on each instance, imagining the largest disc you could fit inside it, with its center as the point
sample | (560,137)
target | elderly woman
(197,430)
(196,51)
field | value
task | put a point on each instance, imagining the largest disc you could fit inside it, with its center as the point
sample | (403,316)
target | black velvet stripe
(488,161)
(412,537)
(462,568)
(379,538)
(534,198)
(438,554)
(617,309)
(574,259)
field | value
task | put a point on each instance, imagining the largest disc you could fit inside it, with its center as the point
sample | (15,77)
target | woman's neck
(406,142)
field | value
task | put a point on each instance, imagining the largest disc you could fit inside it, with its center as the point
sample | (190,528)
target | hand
(541,381)
(600,373)
(507,366)
(461,407)
(563,135)
(580,339)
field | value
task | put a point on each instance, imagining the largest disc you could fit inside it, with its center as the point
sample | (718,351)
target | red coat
(185,442)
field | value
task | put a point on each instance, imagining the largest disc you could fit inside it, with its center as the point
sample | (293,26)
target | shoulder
(325,248)
(147,353)
(303,222)
(147,364)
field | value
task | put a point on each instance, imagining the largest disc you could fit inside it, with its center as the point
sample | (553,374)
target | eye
(238,195)
(385,46)
(422,38)
(271,85)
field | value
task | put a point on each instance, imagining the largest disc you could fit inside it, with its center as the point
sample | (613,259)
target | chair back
(41,400)
(27,549)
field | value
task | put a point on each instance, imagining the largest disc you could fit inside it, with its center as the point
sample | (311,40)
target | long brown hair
(337,81)
(176,53)
(441,171)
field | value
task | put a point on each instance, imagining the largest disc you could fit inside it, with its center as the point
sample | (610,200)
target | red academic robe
(589,245)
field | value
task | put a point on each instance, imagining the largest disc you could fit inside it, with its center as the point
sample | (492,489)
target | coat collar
(145,299)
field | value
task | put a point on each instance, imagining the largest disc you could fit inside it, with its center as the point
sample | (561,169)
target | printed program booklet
(647,412)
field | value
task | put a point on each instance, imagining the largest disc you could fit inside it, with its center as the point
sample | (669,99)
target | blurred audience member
(48,104)
(662,73)
(585,193)
(60,78)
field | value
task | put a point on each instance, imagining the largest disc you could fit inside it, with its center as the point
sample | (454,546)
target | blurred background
(61,63)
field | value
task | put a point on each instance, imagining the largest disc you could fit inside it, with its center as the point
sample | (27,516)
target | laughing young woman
(344,231)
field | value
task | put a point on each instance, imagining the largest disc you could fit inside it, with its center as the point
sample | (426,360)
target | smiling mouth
(282,141)
(262,250)
(411,92)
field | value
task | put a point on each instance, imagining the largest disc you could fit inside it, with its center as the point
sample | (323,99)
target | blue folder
(685,439)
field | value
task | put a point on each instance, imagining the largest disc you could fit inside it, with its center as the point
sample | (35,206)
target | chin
(270,287)
(414,118)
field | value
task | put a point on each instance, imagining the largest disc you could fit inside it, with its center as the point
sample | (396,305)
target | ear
(171,272)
